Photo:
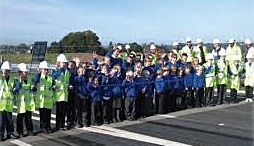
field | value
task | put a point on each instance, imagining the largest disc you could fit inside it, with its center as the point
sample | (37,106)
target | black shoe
(22,135)
(2,138)
(48,131)
(13,136)
(30,133)
(80,126)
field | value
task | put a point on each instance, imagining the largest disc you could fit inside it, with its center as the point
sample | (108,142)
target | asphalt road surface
(223,125)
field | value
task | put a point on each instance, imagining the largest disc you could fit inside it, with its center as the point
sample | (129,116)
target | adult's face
(216,45)
(116,52)
(231,44)
(189,44)
(6,72)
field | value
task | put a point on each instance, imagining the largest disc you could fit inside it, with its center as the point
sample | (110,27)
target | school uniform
(128,66)
(6,108)
(140,94)
(25,106)
(235,71)
(174,93)
(147,105)
(106,94)
(179,93)
(130,91)
(168,93)
(82,101)
(210,83)
(96,103)
(222,80)
(189,94)
(160,87)
(198,85)
(44,100)
(117,93)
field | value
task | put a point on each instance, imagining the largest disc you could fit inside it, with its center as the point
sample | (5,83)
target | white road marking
(20,143)
(167,116)
(221,124)
(131,135)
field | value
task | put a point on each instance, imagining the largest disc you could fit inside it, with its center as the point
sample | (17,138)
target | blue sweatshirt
(179,83)
(139,80)
(160,84)
(168,80)
(106,88)
(116,83)
(94,91)
(128,66)
(95,63)
(130,88)
(81,85)
(198,81)
(188,80)
(148,88)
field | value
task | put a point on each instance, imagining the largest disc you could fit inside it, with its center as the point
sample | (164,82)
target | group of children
(116,90)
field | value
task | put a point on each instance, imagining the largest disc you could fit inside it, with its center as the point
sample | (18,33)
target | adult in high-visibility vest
(6,102)
(217,48)
(24,101)
(200,51)
(233,50)
(249,76)
(44,86)
(188,49)
(235,71)
(61,78)
(222,76)
(153,52)
(176,50)
(249,49)
(210,79)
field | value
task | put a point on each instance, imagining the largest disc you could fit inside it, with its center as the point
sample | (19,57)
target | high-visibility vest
(232,52)
(62,85)
(249,74)
(210,78)
(25,99)
(234,80)
(197,52)
(189,51)
(154,59)
(222,76)
(44,94)
(122,55)
(6,95)
(177,53)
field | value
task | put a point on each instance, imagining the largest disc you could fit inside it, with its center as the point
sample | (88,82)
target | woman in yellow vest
(44,86)
(61,78)
(235,71)
(249,76)
(6,102)
(210,79)
(24,101)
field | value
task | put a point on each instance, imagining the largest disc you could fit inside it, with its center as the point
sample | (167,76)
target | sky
(142,21)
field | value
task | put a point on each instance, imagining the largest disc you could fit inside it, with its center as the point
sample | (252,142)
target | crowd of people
(123,86)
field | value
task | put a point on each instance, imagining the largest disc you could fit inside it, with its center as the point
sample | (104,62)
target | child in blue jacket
(173,76)
(94,89)
(160,87)
(147,105)
(198,85)
(188,84)
(179,90)
(168,90)
(130,93)
(117,93)
(83,100)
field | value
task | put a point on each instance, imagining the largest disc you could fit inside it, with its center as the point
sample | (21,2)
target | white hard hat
(175,44)
(231,40)
(127,46)
(119,47)
(43,65)
(199,40)
(23,67)
(222,52)
(209,56)
(249,56)
(152,47)
(216,41)
(237,57)
(188,39)
(247,41)
(61,58)
(6,65)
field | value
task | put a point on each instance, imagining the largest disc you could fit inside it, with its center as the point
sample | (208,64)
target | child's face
(199,71)
(6,72)
(187,70)
(81,71)
(107,60)
(195,61)
(165,73)
(71,66)
(24,74)
(173,59)
(184,58)
(96,82)
(180,73)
